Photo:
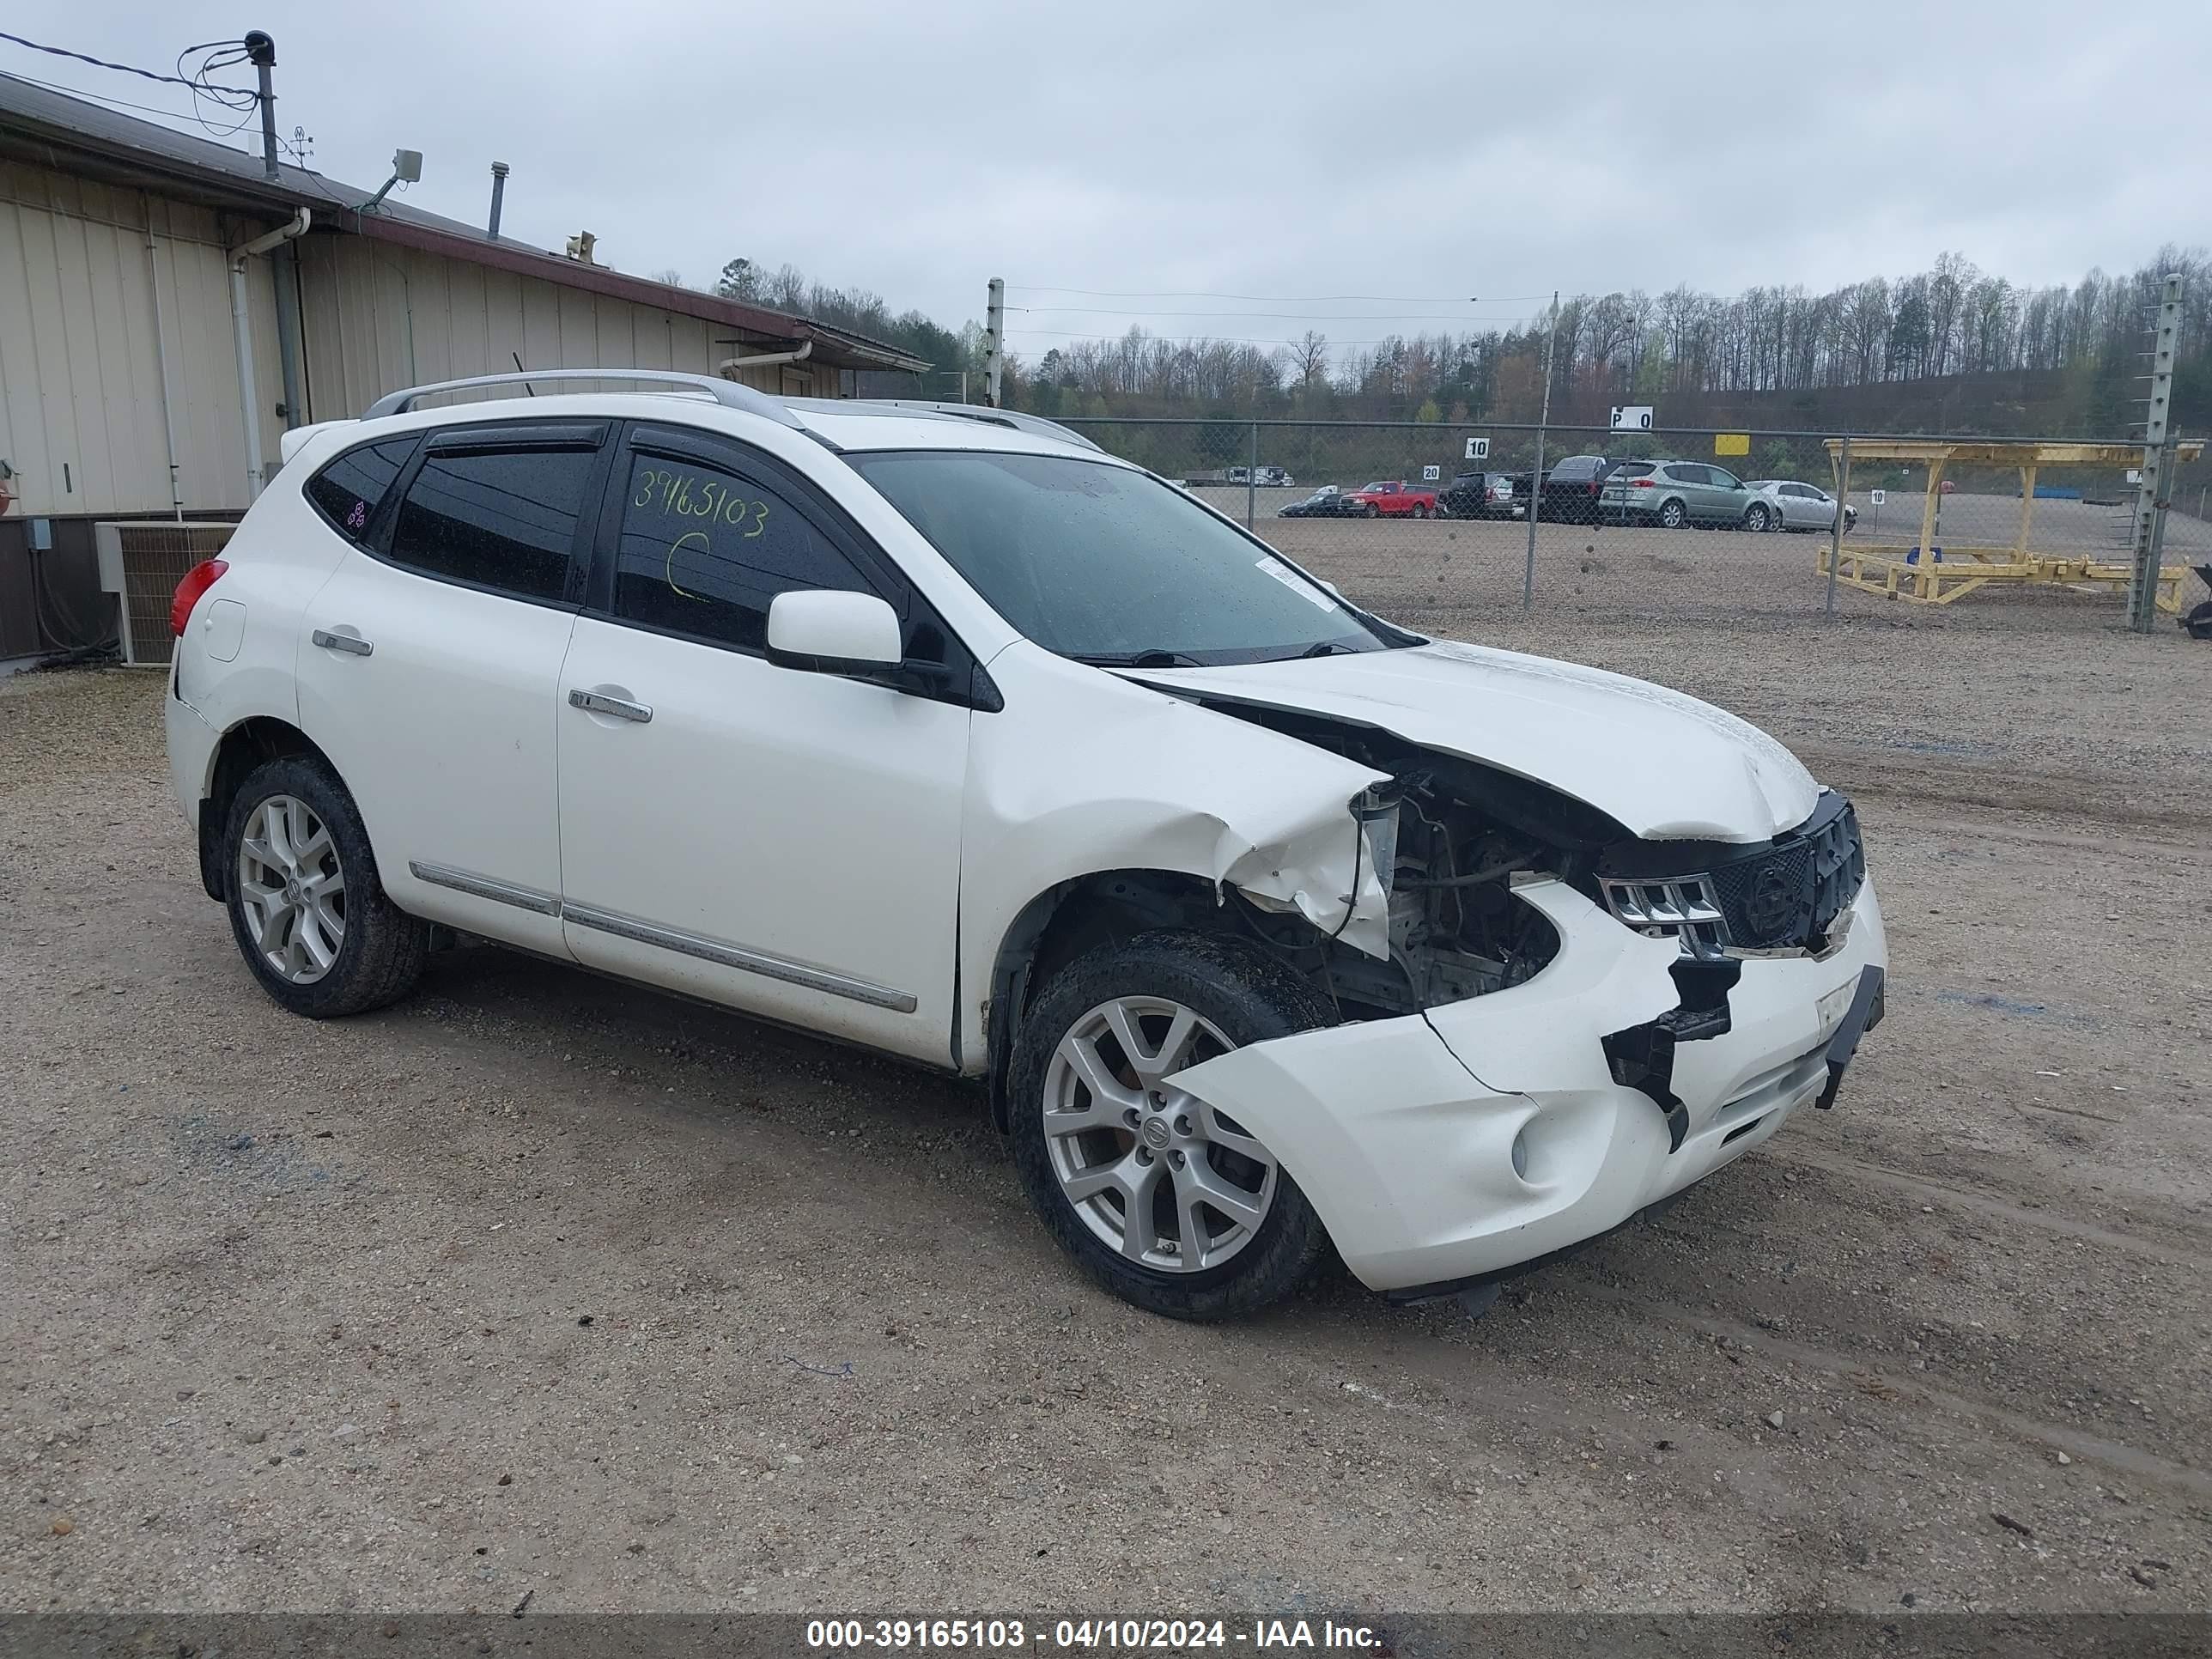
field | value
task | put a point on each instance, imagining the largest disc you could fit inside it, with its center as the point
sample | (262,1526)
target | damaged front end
(1461,848)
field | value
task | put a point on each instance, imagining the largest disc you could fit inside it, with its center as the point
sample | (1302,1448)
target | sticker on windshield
(1297,584)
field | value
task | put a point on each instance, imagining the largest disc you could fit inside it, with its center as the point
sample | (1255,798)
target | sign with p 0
(1478,449)
(1632,417)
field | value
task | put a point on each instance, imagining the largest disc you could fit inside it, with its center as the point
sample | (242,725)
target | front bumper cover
(1481,1136)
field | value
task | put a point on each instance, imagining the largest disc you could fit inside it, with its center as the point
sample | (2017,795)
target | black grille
(1791,892)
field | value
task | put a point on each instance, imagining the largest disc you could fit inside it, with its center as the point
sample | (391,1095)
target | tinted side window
(1685,473)
(704,549)
(503,520)
(349,491)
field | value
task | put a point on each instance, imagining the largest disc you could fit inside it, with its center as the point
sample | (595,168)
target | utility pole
(261,52)
(1536,478)
(2157,488)
(994,341)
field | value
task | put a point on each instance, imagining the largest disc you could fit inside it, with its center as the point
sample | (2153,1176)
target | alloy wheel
(291,888)
(1157,1176)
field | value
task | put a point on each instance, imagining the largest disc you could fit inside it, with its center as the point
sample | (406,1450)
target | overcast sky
(1426,153)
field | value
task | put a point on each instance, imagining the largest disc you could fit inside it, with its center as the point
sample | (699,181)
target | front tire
(306,907)
(1756,518)
(1163,1199)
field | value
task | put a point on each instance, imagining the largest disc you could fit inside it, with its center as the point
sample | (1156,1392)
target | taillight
(1642,483)
(200,578)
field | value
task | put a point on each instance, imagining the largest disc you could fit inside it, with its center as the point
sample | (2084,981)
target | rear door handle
(598,702)
(352,644)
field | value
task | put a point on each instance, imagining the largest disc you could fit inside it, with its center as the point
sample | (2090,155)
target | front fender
(1156,783)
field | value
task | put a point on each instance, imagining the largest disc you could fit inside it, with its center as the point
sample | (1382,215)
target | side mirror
(833,632)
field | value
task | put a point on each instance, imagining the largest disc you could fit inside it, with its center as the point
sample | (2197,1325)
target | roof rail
(728,393)
(1020,420)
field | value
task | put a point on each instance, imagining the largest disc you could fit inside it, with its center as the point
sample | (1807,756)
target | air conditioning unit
(140,563)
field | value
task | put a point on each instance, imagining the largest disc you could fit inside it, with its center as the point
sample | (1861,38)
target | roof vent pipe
(498,195)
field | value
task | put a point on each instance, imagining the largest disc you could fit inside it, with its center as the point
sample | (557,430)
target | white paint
(1664,764)
(1430,474)
(1402,1131)
(856,830)
(1877,497)
(1478,449)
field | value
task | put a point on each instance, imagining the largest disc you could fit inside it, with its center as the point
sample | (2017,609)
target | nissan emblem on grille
(1768,906)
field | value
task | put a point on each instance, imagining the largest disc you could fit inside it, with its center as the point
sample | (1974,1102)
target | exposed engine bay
(1448,836)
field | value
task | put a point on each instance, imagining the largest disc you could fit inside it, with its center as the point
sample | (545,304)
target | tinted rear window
(504,519)
(1579,466)
(349,491)
(1633,469)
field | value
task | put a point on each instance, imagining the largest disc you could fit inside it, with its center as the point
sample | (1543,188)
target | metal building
(145,275)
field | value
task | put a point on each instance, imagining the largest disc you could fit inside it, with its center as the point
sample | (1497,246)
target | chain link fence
(1422,520)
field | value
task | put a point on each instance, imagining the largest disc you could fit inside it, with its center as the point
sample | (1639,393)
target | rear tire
(306,906)
(1672,516)
(1238,995)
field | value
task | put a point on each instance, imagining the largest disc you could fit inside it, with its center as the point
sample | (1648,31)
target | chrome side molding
(668,938)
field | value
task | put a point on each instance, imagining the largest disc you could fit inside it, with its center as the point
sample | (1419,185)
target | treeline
(788,288)
(2071,351)
(1952,345)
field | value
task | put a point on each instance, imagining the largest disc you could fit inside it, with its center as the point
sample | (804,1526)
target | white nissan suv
(1273,927)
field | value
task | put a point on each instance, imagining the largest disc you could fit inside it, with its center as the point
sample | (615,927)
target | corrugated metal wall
(81,419)
(380,317)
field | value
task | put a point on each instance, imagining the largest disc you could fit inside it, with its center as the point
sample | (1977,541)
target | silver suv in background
(1671,494)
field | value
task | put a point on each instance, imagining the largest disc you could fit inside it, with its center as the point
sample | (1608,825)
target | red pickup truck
(1395,500)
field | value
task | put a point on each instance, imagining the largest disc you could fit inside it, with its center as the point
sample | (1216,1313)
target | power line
(1202,339)
(101,62)
(1285,299)
(102,98)
(1279,316)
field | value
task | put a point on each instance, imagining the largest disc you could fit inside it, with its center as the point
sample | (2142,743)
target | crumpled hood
(1666,766)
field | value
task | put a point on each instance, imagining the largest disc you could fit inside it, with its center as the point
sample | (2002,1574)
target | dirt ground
(536,1285)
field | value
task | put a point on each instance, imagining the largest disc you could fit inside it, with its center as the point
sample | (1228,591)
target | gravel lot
(536,1285)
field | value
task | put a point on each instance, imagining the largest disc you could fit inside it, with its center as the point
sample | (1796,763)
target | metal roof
(39,125)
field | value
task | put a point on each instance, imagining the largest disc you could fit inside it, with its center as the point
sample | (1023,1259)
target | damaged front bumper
(1449,1146)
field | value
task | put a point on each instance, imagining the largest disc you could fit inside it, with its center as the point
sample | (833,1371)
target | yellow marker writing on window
(698,535)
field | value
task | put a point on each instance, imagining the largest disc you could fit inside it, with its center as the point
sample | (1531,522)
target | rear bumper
(191,744)
(1490,1133)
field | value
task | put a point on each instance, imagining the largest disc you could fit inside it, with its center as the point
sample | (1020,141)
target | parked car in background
(1479,495)
(1671,494)
(1327,502)
(1393,498)
(1802,506)
(1573,488)
(1268,477)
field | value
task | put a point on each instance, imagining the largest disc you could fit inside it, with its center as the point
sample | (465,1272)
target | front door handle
(598,702)
(352,644)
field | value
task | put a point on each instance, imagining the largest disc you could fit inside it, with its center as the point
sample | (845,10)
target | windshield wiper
(1153,659)
(1324,648)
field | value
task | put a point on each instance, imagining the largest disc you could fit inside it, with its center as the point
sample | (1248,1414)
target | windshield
(1106,564)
